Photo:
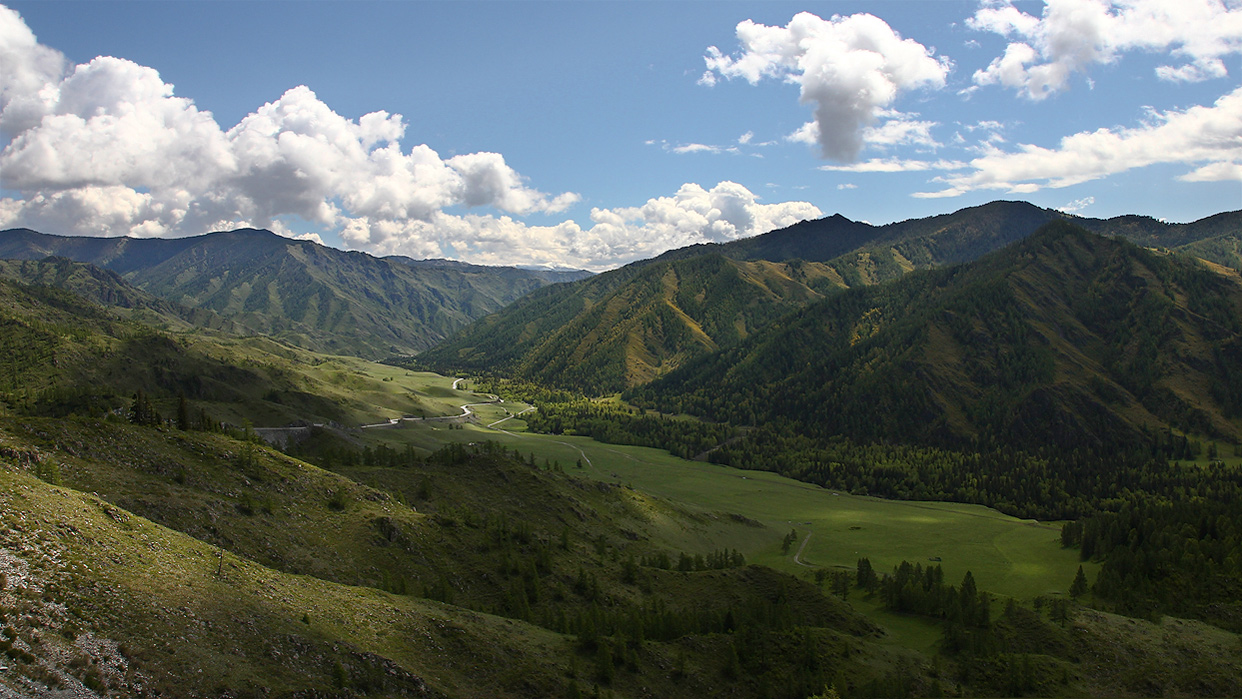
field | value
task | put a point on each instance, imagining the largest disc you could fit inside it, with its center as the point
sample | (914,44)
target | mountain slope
(1065,338)
(627,326)
(107,288)
(200,565)
(570,336)
(303,293)
(61,354)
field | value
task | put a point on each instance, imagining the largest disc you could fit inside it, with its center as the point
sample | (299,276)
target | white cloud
(313,237)
(1077,205)
(107,148)
(25,68)
(1193,72)
(895,165)
(1223,171)
(847,185)
(808,133)
(725,212)
(701,148)
(1071,35)
(849,68)
(1210,137)
(901,130)
(746,138)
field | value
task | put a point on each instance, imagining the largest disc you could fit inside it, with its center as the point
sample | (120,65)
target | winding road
(466,412)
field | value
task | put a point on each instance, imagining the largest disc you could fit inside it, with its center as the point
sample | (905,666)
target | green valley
(963,456)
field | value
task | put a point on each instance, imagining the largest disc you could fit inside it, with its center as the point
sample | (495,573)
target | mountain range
(308,295)
(628,326)
(1064,337)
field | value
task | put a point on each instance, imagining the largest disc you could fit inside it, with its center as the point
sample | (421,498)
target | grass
(274,608)
(183,610)
(1008,556)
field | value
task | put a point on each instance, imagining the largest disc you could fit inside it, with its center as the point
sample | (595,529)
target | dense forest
(1064,339)
(1179,556)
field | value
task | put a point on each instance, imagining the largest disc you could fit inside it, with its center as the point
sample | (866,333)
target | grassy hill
(108,288)
(61,354)
(201,565)
(300,292)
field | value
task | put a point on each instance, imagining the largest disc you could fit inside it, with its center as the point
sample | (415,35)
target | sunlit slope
(412,526)
(631,325)
(165,614)
(1010,556)
(268,572)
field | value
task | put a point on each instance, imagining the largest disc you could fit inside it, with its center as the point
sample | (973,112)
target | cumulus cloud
(26,67)
(1209,137)
(728,211)
(107,148)
(850,68)
(1071,35)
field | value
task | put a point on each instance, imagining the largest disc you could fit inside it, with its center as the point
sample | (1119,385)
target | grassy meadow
(1009,557)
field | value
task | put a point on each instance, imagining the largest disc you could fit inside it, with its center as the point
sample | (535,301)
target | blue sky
(589,134)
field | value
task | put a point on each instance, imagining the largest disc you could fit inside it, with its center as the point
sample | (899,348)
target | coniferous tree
(183,414)
(1079,587)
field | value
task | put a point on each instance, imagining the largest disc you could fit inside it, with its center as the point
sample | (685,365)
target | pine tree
(1079,587)
(183,414)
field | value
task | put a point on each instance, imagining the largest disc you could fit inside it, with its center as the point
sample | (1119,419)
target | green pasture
(1008,556)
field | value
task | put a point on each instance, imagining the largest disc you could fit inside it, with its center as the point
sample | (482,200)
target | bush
(338,501)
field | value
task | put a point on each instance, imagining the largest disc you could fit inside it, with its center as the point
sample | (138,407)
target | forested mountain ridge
(1065,338)
(107,288)
(544,336)
(627,326)
(865,254)
(298,291)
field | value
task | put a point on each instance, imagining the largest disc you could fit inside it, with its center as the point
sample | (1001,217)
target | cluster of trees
(913,589)
(1008,654)
(715,560)
(616,424)
(143,412)
(1046,484)
(1180,557)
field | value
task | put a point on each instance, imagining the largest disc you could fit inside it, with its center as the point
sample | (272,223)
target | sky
(591,134)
